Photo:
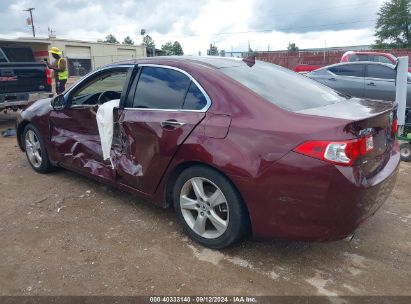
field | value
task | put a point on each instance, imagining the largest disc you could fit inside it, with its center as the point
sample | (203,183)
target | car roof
(210,61)
(368,53)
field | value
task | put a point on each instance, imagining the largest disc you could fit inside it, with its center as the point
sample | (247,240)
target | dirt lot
(62,234)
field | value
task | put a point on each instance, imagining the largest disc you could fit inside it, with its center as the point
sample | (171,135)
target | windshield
(283,87)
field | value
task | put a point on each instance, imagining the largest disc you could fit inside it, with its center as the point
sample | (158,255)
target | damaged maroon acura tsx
(235,146)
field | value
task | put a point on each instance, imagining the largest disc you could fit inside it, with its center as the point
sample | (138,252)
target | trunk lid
(366,118)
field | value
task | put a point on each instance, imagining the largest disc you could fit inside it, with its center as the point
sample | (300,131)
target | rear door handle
(172,123)
(371,84)
(332,79)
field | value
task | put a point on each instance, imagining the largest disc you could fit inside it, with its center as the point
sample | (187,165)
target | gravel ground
(62,234)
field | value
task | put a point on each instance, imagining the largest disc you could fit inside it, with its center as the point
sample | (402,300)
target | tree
(213,50)
(394,24)
(148,42)
(172,48)
(110,38)
(168,49)
(292,47)
(177,48)
(128,41)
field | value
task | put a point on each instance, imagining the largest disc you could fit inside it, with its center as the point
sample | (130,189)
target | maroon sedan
(236,147)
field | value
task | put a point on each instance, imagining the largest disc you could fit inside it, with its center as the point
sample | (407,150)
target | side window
(160,88)
(383,59)
(112,83)
(195,99)
(356,70)
(380,71)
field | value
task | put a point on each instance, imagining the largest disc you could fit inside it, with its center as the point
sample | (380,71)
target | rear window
(19,54)
(282,87)
(2,57)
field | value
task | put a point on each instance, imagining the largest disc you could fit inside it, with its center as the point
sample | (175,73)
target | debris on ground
(9,132)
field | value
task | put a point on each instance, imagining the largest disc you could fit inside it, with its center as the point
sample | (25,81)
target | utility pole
(31,19)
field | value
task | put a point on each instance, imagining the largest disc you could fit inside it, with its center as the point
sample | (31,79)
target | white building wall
(102,53)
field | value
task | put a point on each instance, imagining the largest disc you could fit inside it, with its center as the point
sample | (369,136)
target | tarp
(105,125)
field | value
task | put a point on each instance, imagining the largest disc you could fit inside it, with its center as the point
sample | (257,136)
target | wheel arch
(20,132)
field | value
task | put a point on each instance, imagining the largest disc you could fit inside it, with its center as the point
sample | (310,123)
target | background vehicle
(226,142)
(21,77)
(361,79)
(352,56)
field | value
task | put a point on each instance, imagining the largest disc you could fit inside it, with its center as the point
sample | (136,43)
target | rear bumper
(301,198)
(18,100)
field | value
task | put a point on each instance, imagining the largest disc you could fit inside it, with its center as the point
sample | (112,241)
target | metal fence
(292,59)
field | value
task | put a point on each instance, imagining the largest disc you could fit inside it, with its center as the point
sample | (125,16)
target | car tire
(209,207)
(36,151)
(405,152)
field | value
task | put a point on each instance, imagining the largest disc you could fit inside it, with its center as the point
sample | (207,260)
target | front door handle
(371,84)
(172,123)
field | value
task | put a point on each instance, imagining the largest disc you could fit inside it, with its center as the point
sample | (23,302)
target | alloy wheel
(33,148)
(204,207)
(405,152)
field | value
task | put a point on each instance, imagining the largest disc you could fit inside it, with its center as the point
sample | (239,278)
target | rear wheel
(405,152)
(209,207)
(36,150)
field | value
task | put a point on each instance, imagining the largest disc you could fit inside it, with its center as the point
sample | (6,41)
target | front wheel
(405,152)
(36,150)
(209,207)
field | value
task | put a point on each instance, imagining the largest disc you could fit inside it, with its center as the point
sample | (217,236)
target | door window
(160,88)
(195,100)
(110,83)
(355,70)
(382,59)
(380,71)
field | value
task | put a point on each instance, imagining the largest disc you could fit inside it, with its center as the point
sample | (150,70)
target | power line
(270,30)
(305,12)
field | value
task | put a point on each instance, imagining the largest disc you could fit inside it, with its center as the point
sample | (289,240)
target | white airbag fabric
(105,125)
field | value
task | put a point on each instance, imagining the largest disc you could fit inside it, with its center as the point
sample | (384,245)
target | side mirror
(58,102)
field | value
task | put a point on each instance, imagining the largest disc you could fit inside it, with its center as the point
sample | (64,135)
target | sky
(230,24)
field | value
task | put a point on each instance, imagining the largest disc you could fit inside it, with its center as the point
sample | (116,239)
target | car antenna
(250,60)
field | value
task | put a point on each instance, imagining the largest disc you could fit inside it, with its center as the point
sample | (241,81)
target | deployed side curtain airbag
(105,125)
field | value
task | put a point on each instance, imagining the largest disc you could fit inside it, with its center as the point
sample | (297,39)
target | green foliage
(110,38)
(213,50)
(172,48)
(178,50)
(292,47)
(394,25)
(128,41)
(168,49)
(148,42)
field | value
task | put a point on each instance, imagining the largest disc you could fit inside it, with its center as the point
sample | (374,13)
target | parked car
(361,79)
(352,56)
(235,146)
(21,78)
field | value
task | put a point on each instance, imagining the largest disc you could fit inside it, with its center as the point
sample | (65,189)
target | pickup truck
(22,78)
(352,56)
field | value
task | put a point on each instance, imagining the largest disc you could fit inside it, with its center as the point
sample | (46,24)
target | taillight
(394,127)
(48,76)
(343,153)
